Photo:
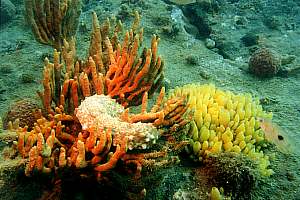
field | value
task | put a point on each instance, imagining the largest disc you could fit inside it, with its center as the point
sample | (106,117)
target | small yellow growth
(204,134)
(215,194)
(194,131)
(225,122)
(228,146)
(196,147)
(217,147)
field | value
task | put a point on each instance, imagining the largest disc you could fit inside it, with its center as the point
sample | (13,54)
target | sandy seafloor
(23,55)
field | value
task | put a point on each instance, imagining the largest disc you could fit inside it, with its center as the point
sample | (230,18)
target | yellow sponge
(225,122)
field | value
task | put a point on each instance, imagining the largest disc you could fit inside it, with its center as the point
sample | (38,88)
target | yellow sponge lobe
(224,121)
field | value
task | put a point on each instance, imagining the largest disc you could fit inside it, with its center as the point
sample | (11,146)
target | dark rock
(6,69)
(27,78)
(272,22)
(227,49)
(240,21)
(171,30)
(7,11)
(250,39)
(199,18)
(26,110)
(236,173)
(192,60)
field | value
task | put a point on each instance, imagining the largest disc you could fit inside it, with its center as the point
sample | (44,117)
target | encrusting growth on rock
(26,111)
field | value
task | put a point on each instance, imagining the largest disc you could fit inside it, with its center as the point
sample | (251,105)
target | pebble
(209,43)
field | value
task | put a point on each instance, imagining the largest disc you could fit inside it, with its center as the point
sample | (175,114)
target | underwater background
(238,50)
